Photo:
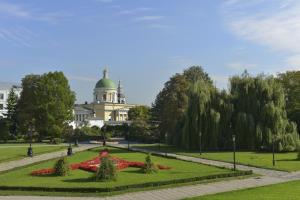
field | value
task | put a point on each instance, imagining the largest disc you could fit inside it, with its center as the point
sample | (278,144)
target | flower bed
(93,165)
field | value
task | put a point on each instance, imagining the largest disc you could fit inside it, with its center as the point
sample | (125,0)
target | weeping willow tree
(253,110)
(259,114)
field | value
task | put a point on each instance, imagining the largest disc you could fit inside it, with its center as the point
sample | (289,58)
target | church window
(104,97)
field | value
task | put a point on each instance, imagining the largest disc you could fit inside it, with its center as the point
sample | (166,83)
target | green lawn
(129,176)
(10,152)
(284,161)
(283,191)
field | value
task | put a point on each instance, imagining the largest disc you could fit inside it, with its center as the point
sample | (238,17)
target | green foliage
(91,131)
(62,167)
(254,110)
(11,114)
(149,167)
(291,85)
(46,104)
(4,129)
(57,141)
(139,113)
(259,113)
(107,170)
(141,130)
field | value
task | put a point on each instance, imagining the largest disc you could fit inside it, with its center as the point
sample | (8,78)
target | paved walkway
(268,177)
(42,157)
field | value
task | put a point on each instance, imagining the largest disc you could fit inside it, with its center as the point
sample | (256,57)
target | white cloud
(134,11)
(274,24)
(22,12)
(18,36)
(14,10)
(160,26)
(82,78)
(149,18)
(104,1)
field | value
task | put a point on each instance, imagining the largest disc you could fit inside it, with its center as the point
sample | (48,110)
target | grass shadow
(80,180)
(288,159)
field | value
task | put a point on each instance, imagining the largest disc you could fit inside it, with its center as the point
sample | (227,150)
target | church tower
(105,90)
(121,95)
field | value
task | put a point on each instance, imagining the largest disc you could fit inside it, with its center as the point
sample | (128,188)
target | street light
(200,150)
(233,140)
(166,138)
(128,142)
(70,151)
(273,149)
(30,150)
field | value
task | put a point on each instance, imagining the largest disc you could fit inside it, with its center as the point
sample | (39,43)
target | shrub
(61,167)
(107,170)
(149,167)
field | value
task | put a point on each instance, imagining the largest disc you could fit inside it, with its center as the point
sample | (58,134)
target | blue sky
(144,42)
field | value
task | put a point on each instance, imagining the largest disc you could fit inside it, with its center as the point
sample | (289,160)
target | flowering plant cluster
(93,165)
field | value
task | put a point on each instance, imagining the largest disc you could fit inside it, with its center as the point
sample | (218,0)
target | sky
(144,42)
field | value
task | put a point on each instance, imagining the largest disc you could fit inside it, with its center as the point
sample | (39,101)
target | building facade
(109,105)
(5,88)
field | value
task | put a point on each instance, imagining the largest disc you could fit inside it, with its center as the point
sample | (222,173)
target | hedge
(126,187)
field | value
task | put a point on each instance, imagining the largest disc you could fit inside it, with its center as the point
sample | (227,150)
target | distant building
(4,92)
(109,105)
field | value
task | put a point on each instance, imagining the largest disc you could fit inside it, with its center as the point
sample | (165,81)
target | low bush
(149,167)
(62,167)
(107,170)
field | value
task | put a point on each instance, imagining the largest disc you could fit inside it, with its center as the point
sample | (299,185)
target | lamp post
(200,150)
(166,139)
(128,142)
(273,149)
(70,150)
(233,140)
(30,150)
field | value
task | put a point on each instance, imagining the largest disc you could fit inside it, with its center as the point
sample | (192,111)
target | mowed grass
(10,152)
(82,179)
(283,191)
(283,161)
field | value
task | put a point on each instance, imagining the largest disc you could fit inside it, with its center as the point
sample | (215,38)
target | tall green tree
(291,85)
(259,113)
(4,129)
(139,112)
(46,103)
(172,102)
(11,114)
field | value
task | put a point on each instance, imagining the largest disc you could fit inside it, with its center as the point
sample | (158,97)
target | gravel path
(42,157)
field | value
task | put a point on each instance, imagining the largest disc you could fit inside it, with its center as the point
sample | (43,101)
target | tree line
(44,109)
(258,110)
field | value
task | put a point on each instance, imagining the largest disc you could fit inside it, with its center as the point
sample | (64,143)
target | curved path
(5,166)
(268,177)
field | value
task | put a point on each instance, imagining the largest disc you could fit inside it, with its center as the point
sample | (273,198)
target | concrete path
(268,177)
(42,157)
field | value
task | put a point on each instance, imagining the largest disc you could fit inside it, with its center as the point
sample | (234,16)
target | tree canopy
(46,104)
(192,111)
(291,86)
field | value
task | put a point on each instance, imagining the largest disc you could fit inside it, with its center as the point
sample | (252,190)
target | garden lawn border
(126,187)
(158,153)
(239,163)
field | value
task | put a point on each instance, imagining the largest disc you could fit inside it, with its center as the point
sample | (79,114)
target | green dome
(106,83)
